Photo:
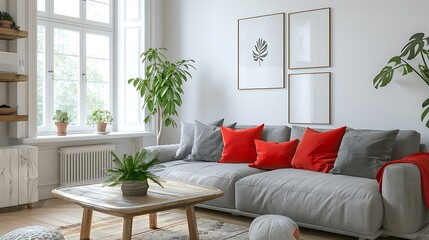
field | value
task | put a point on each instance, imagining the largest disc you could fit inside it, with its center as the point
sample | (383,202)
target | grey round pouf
(33,233)
(273,227)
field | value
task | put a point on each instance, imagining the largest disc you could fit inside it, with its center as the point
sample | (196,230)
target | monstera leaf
(261,51)
(425,112)
(417,46)
(384,77)
(414,46)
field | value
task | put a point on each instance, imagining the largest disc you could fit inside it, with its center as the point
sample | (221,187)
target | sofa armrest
(167,152)
(405,210)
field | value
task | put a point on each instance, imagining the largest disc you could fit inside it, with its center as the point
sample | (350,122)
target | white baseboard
(45,191)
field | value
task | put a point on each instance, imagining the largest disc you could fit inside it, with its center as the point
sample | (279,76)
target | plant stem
(160,126)
(424,60)
(421,76)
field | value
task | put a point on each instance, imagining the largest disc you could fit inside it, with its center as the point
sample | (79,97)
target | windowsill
(86,137)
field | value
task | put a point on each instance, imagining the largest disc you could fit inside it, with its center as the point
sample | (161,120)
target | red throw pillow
(318,151)
(272,155)
(239,145)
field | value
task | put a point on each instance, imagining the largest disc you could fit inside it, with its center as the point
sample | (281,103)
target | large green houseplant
(132,172)
(417,47)
(161,87)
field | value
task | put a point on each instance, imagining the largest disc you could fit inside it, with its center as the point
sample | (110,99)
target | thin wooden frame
(308,96)
(276,83)
(316,40)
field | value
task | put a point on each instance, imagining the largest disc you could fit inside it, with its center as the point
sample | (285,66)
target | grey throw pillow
(187,133)
(208,143)
(298,131)
(363,152)
(271,133)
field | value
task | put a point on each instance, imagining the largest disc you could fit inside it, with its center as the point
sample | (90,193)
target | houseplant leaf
(414,46)
(425,112)
(384,77)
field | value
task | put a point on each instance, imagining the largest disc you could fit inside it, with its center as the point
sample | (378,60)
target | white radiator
(84,164)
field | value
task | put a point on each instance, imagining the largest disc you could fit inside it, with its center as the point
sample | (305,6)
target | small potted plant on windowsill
(61,121)
(132,172)
(101,118)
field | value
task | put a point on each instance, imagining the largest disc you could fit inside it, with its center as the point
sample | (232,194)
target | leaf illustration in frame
(261,48)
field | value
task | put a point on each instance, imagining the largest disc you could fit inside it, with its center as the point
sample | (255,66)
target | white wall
(365,35)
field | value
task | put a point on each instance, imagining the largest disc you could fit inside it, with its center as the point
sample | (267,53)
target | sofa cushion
(221,176)
(273,155)
(187,132)
(239,145)
(363,152)
(208,143)
(340,202)
(407,141)
(271,133)
(318,151)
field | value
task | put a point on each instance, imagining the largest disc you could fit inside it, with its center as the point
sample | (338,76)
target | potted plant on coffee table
(101,118)
(61,121)
(132,172)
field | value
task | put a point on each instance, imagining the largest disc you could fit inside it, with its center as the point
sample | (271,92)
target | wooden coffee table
(109,200)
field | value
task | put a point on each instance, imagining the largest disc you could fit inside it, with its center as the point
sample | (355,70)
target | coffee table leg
(192,223)
(85,229)
(127,228)
(153,221)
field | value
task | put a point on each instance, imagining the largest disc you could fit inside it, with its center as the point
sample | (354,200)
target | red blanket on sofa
(421,160)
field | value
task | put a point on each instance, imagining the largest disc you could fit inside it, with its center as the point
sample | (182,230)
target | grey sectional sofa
(335,203)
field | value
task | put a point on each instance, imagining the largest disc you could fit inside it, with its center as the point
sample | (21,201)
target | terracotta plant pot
(101,127)
(134,188)
(61,128)
(6,24)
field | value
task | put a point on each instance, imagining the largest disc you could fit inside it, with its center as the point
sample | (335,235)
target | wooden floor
(55,213)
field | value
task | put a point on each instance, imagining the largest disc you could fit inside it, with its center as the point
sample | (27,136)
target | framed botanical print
(261,59)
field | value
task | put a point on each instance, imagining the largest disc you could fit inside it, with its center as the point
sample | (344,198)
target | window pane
(41,75)
(98,96)
(66,98)
(97,46)
(69,8)
(66,42)
(98,11)
(97,72)
(66,72)
(41,5)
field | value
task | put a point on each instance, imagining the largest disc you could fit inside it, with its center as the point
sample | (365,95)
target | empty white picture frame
(261,55)
(309,43)
(309,97)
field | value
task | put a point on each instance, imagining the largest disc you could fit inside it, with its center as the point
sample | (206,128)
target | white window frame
(117,83)
(49,13)
(83,29)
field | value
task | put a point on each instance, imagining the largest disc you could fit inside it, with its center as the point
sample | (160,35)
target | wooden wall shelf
(12,34)
(11,77)
(13,118)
